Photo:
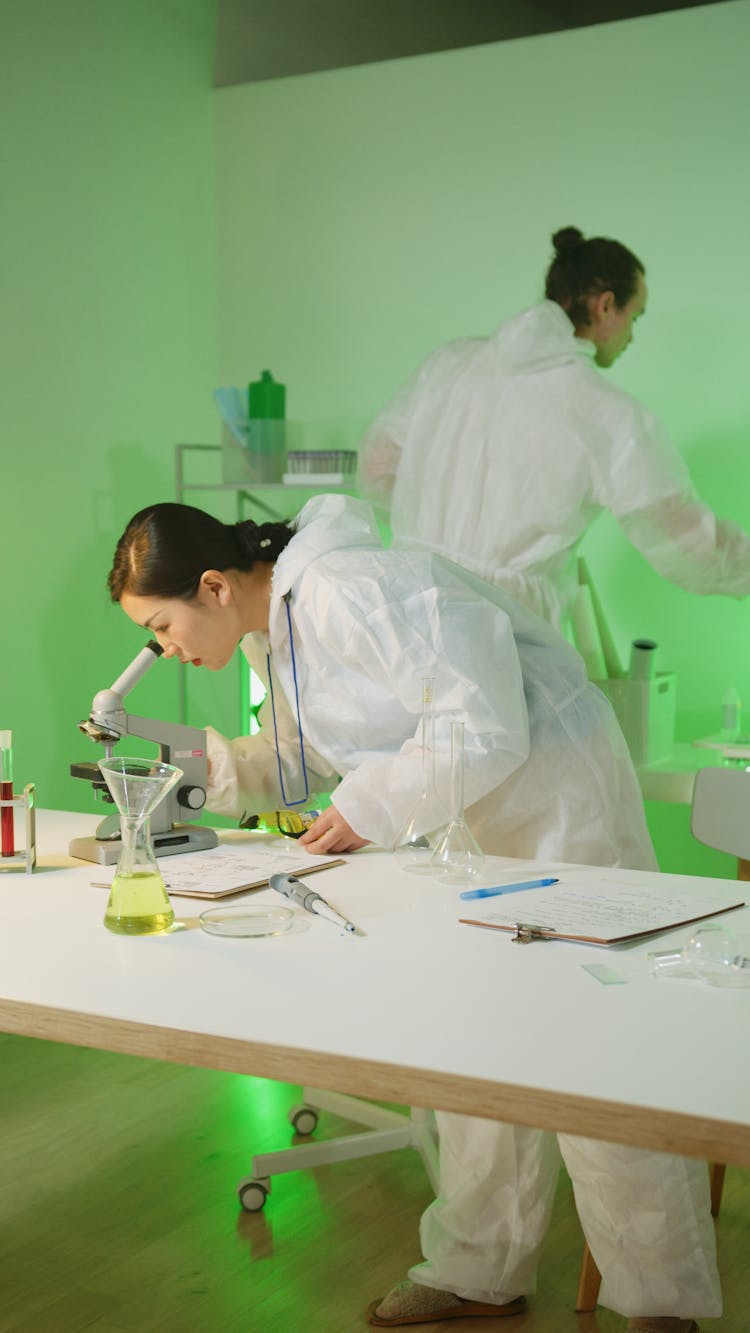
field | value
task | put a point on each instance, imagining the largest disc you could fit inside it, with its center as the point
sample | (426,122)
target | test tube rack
(25,859)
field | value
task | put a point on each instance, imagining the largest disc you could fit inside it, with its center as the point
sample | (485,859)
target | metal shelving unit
(244,495)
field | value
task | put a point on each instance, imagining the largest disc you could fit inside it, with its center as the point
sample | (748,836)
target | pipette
(298,893)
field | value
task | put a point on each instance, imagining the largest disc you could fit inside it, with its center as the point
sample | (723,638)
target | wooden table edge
(662,1131)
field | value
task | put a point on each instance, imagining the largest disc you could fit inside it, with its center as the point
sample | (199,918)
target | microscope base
(180,838)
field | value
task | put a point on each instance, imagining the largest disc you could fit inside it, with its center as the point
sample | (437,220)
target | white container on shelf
(646,712)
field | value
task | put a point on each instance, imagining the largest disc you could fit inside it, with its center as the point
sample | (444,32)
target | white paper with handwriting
(603,913)
(237,868)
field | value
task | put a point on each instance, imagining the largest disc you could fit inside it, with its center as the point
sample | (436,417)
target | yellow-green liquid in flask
(138,905)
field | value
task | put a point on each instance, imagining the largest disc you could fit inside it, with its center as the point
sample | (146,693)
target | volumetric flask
(138,902)
(458,858)
(426,824)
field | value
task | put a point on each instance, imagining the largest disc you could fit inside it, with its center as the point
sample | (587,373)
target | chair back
(720,814)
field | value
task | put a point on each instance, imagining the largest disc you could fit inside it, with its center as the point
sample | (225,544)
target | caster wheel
(252,1194)
(303,1118)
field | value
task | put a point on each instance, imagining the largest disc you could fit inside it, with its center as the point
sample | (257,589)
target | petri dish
(242,923)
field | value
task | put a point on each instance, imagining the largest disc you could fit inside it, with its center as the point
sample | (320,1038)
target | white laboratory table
(421,1011)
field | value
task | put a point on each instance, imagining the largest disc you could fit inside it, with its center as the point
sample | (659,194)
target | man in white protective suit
(344,631)
(501,451)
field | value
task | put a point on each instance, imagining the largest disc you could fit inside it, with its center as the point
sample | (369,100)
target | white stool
(386,1131)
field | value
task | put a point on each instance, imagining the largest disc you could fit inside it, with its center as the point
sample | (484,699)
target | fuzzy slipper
(411,1303)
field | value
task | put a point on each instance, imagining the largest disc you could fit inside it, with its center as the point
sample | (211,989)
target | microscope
(182,746)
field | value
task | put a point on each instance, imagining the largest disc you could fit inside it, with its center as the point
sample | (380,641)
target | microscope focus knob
(194,798)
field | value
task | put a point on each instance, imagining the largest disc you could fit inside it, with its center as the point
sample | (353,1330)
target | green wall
(110,334)
(365,215)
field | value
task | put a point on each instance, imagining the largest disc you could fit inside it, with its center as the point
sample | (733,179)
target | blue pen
(508,888)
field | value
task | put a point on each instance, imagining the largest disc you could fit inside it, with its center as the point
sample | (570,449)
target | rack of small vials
(320,467)
(10,857)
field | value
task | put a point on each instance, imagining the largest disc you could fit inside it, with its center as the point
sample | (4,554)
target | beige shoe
(411,1303)
(661,1324)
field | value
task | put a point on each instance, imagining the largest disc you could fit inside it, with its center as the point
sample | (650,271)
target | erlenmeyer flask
(458,859)
(138,902)
(426,824)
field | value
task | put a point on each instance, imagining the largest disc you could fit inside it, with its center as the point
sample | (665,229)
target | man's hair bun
(567,239)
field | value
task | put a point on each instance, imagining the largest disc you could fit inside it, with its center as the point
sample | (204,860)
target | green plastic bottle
(266,398)
(266,437)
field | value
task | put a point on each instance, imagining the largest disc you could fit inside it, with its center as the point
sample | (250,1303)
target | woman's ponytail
(262,541)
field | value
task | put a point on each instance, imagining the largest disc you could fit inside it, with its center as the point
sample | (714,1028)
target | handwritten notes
(607,913)
(236,868)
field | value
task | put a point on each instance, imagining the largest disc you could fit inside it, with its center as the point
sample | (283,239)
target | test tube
(7,845)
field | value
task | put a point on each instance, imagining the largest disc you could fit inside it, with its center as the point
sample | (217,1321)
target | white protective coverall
(547,774)
(500,452)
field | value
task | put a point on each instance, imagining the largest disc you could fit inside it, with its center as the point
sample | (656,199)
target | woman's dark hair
(581,269)
(166,547)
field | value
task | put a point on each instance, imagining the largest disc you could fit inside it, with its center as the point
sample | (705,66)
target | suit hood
(539,339)
(326,523)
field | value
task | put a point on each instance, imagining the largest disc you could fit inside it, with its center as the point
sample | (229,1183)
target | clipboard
(603,914)
(234,883)
(210,895)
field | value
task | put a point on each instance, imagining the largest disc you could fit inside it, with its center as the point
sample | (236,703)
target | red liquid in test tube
(7,845)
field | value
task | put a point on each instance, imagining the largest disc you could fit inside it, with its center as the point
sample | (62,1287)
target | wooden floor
(118,1212)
